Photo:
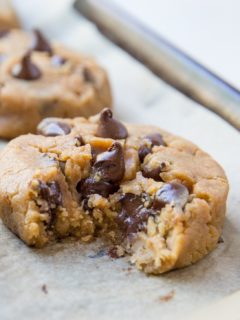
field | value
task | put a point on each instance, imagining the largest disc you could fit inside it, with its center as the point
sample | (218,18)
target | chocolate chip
(109,166)
(4,32)
(107,171)
(173,193)
(79,141)
(58,61)
(153,173)
(109,127)
(40,43)
(133,215)
(88,75)
(143,151)
(26,70)
(53,128)
(156,139)
(91,186)
(51,193)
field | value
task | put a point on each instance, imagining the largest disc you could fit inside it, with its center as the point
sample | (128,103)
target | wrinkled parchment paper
(64,281)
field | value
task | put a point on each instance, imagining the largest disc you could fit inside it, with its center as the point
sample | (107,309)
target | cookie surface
(149,194)
(40,79)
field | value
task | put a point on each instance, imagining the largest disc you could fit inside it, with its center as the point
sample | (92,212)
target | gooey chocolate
(51,193)
(173,193)
(133,215)
(107,171)
(109,127)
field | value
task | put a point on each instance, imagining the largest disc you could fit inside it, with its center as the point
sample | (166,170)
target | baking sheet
(64,280)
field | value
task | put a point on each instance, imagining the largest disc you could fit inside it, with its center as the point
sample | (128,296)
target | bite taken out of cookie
(151,195)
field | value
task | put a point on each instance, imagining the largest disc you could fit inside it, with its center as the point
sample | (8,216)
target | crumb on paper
(44,289)
(167,297)
(116,252)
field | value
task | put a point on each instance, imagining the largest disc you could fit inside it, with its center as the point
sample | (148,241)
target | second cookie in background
(40,79)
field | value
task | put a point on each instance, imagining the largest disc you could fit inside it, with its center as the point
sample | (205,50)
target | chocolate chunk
(26,70)
(109,165)
(40,43)
(4,32)
(79,141)
(153,173)
(58,61)
(53,128)
(173,193)
(156,139)
(91,186)
(88,75)
(51,193)
(109,127)
(133,215)
(143,151)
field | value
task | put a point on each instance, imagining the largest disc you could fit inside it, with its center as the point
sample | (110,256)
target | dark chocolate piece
(53,128)
(26,70)
(156,139)
(109,166)
(91,186)
(143,151)
(88,75)
(109,127)
(51,193)
(173,193)
(133,215)
(153,174)
(40,43)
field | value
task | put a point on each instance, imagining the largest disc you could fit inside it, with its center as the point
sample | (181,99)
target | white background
(208,30)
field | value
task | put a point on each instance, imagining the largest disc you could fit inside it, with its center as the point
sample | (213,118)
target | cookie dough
(8,18)
(39,79)
(149,194)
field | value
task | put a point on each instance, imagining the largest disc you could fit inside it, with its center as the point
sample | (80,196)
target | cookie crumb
(116,252)
(167,297)
(44,288)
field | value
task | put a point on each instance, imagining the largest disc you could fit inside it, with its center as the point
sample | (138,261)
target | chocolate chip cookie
(8,18)
(150,195)
(39,79)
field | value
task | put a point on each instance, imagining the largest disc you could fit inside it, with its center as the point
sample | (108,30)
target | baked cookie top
(41,79)
(148,193)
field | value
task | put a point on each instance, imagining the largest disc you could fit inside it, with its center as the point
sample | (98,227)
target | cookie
(40,79)
(150,195)
(8,18)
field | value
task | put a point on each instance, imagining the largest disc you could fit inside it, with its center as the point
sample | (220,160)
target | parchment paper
(64,281)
